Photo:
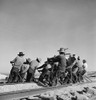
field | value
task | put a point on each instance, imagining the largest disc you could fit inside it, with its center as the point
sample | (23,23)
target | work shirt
(85,66)
(62,62)
(79,65)
(34,64)
(18,62)
(24,68)
(71,60)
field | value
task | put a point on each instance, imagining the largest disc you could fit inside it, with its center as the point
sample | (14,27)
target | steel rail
(15,83)
(29,92)
(2,84)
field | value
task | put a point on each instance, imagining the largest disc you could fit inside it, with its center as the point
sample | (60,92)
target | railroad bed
(21,90)
(16,87)
(10,87)
(24,90)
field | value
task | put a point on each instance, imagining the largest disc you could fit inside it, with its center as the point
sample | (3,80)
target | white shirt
(85,66)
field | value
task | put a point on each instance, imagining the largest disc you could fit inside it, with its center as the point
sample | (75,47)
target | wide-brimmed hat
(62,49)
(21,54)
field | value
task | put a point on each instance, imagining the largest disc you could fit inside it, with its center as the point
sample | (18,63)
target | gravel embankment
(10,88)
(80,92)
(74,92)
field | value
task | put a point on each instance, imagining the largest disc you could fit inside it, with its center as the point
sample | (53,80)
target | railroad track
(29,92)
(2,84)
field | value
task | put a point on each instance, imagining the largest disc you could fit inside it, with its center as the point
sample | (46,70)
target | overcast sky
(40,27)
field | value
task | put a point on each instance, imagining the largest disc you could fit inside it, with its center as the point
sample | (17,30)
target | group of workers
(63,70)
(23,69)
(58,68)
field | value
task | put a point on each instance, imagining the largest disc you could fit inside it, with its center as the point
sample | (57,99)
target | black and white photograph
(48,50)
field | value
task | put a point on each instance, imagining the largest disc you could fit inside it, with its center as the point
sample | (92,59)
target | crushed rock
(10,88)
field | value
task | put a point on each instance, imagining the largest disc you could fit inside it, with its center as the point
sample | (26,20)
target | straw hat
(62,49)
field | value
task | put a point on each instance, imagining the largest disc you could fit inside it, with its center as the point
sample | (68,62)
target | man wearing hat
(61,58)
(84,69)
(16,63)
(32,68)
(62,62)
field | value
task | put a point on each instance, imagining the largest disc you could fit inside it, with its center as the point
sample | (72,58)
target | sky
(40,27)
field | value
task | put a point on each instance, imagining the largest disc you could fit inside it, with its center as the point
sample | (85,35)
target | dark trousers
(61,76)
(30,75)
(81,73)
(14,75)
(42,77)
(23,76)
(45,76)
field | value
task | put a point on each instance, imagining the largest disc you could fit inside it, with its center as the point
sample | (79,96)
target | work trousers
(14,75)
(30,75)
